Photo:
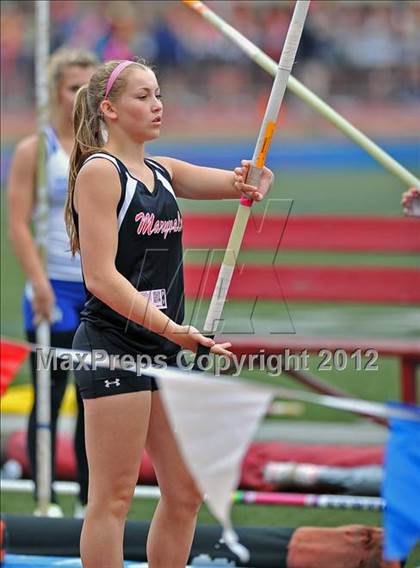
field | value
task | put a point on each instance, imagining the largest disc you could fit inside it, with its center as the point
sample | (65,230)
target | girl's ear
(108,109)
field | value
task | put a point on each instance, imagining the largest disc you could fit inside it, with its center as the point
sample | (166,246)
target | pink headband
(114,75)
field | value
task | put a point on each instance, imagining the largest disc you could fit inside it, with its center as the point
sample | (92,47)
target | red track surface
(380,234)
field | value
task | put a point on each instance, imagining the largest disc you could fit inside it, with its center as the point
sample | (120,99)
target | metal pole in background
(43,376)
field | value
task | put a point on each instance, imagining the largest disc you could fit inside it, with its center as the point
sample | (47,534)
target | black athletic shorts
(95,380)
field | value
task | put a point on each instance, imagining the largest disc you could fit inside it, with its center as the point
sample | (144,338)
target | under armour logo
(109,383)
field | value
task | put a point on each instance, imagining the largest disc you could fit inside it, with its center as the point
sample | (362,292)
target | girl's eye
(143,97)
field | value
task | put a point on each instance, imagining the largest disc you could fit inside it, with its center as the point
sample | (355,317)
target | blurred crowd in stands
(356,50)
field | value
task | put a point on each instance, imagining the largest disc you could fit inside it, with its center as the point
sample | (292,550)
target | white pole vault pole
(43,376)
(262,146)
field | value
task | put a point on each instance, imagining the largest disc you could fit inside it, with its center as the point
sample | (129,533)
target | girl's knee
(111,507)
(115,501)
(185,502)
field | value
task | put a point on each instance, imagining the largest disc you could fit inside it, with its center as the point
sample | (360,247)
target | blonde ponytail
(88,128)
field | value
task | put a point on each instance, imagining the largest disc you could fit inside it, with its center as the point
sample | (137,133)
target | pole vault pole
(305,94)
(262,146)
(335,501)
(43,376)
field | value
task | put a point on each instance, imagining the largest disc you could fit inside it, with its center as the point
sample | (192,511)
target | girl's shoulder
(165,164)
(98,180)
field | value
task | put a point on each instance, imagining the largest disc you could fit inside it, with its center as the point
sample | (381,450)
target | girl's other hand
(189,337)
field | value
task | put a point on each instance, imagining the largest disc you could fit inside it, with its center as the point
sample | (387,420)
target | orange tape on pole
(268,135)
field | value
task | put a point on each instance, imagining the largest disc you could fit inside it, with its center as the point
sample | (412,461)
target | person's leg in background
(70,297)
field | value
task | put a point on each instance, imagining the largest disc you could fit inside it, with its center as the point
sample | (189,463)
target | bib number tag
(156,297)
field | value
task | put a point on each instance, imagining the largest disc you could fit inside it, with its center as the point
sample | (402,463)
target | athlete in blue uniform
(122,214)
(54,291)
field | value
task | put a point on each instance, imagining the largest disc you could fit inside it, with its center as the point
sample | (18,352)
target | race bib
(156,297)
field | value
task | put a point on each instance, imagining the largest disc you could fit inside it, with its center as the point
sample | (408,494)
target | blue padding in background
(284,154)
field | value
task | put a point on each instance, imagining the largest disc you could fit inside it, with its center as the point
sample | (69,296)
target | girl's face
(72,79)
(138,109)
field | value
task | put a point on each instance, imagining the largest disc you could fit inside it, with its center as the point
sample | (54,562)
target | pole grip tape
(254,175)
